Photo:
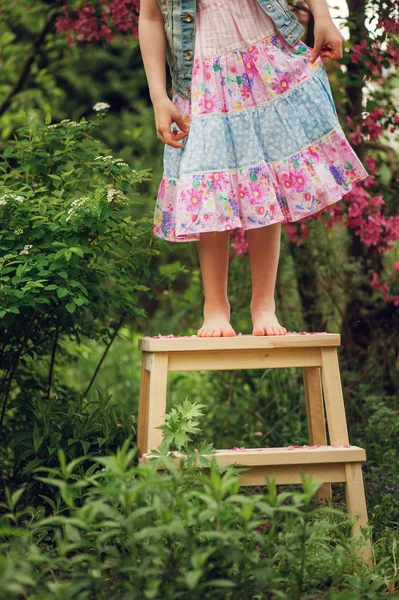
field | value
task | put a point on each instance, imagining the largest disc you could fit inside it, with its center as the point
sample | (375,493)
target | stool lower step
(305,455)
(325,463)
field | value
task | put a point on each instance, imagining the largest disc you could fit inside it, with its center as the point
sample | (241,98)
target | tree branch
(15,365)
(51,371)
(28,64)
(117,328)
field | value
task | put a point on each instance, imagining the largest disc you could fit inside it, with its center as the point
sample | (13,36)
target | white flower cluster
(26,249)
(76,204)
(110,160)
(3,199)
(117,196)
(18,232)
(101,106)
(64,122)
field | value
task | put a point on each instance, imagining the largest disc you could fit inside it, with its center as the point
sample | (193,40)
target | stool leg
(333,398)
(158,366)
(316,419)
(356,503)
(142,425)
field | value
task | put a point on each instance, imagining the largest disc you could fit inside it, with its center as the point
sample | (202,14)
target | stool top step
(238,342)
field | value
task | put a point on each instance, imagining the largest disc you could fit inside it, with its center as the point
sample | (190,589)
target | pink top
(239,24)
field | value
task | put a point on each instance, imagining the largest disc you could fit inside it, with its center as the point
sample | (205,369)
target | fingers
(180,122)
(332,50)
(171,138)
(316,51)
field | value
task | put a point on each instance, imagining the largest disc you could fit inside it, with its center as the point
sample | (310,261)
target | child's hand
(166,113)
(328,40)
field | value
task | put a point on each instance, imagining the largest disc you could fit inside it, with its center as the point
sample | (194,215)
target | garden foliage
(81,279)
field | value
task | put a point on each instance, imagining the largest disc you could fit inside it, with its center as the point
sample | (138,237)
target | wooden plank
(285,474)
(284,456)
(224,360)
(316,418)
(238,342)
(314,406)
(356,502)
(333,397)
(142,422)
(157,399)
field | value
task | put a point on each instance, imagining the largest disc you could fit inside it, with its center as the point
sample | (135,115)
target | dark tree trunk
(304,259)
(308,287)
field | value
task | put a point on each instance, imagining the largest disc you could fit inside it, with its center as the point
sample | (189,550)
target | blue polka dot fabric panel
(269,132)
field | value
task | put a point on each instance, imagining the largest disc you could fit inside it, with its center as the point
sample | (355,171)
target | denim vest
(179,23)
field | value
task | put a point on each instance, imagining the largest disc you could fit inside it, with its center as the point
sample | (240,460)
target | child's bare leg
(264,251)
(213,249)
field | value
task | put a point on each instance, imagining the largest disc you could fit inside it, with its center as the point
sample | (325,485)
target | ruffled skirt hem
(282,191)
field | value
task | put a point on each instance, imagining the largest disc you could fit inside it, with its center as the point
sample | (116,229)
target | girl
(252,139)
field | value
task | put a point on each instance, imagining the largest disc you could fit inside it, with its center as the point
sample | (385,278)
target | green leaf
(192,578)
(79,301)
(20,270)
(71,307)
(72,533)
(221,583)
(85,446)
(49,500)
(77,251)
(37,442)
(62,292)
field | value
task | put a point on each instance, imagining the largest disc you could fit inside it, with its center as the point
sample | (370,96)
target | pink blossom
(357,51)
(299,180)
(219,180)
(239,242)
(208,103)
(281,83)
(192,199)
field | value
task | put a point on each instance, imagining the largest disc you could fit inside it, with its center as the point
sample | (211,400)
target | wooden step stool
(317,355)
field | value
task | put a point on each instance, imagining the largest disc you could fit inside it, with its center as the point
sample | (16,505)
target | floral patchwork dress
(264,144)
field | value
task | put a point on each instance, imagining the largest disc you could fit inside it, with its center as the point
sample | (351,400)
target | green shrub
(179,534)
(74,265)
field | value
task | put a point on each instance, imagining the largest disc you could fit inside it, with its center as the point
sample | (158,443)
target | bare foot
(265,322)
(216,322)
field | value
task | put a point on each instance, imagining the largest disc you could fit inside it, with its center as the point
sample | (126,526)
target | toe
(229,333)
(209,333)
(257,330)
(217,333)
(269,330)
